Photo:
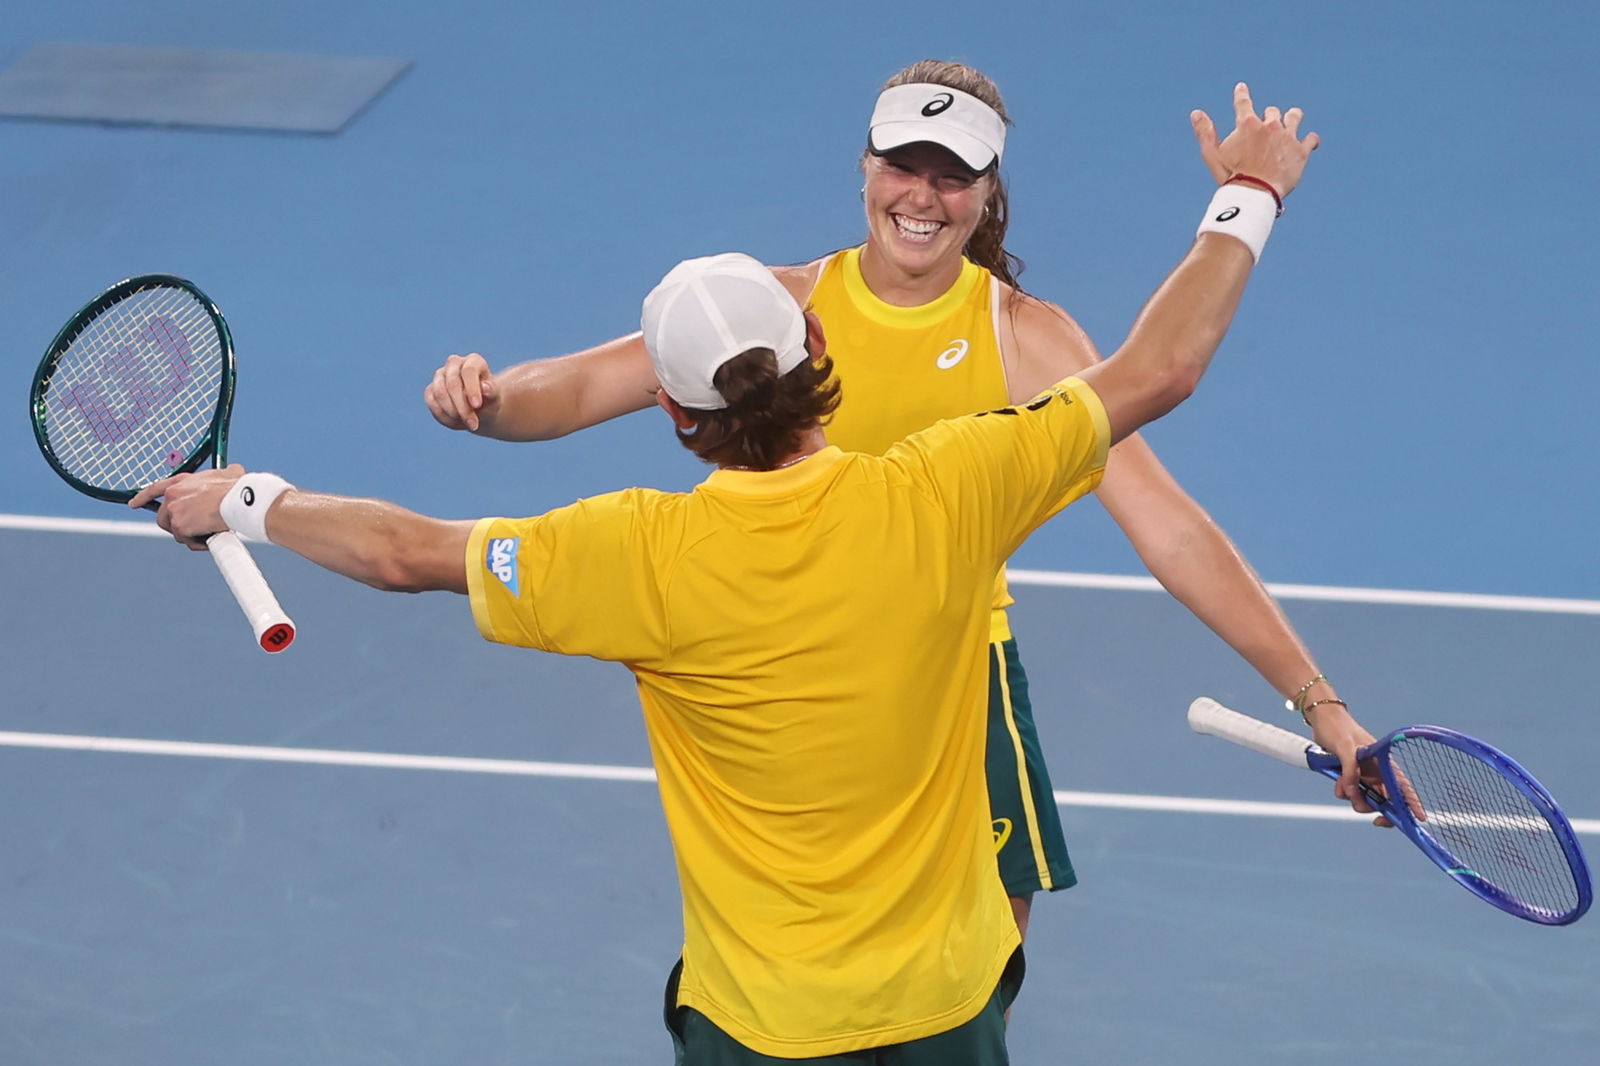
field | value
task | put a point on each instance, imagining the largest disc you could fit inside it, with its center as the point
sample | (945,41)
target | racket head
(1489,824)
(138,385)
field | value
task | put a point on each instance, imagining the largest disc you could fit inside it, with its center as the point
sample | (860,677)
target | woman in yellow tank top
(924,321)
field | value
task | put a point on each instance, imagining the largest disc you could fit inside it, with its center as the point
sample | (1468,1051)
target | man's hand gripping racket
(1469,807)
(136,387)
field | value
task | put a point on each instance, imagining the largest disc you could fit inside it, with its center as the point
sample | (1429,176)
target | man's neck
(811,442)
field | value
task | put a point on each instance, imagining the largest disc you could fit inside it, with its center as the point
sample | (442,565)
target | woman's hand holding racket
(1469,807)
(1337,732)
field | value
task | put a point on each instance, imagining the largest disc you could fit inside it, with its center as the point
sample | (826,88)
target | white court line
(457,764)
(110,527)
(1326,593)
(323,756)
(1047,578)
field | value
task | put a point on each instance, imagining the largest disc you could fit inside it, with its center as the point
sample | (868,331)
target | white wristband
(244,508)
(1243,212)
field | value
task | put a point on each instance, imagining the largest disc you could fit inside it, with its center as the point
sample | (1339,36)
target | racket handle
(273,629)
(1206,715)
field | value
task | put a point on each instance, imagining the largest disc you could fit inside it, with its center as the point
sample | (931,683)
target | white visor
(907,114)
(708,310)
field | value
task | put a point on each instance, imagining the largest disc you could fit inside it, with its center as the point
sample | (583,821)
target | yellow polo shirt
(811,656)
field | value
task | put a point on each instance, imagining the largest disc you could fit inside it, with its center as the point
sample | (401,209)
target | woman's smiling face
(922,204)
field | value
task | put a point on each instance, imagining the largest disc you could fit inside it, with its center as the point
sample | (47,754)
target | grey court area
(185,911)
(142,84)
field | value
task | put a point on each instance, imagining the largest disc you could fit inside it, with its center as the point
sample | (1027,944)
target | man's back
(809,645)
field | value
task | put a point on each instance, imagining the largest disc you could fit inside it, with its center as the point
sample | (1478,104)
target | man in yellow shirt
(807,631)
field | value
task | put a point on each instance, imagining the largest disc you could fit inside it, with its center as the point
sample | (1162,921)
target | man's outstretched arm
(372,541)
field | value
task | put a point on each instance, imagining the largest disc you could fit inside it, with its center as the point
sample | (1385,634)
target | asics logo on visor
(938,105)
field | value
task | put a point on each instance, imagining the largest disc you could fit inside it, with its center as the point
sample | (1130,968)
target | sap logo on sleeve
(501,561)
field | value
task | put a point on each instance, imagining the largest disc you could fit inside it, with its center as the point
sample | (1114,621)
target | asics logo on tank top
(953,354)
(938,104)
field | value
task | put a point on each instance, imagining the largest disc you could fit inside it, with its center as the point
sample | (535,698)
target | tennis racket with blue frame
(137,386)
(1468,806)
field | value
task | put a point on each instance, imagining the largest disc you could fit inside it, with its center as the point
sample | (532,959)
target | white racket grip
(1206,715)
(273,629)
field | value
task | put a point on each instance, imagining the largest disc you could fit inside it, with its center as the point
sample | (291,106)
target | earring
(863,194)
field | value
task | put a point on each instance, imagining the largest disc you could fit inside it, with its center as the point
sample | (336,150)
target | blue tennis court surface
(1404,403)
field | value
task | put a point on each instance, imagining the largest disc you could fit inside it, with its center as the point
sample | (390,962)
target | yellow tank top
(905,368)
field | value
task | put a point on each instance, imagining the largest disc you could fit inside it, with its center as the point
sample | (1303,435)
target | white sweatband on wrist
(1243,212)
(244,508)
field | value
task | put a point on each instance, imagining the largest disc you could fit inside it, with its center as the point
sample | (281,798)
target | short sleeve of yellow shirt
(1000,474)
(535,582)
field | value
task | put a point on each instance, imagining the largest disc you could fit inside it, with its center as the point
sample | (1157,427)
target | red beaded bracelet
(1261,183)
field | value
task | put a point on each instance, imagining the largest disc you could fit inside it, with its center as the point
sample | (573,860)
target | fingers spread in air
(1205,131)
(1265,146)
(1243,107)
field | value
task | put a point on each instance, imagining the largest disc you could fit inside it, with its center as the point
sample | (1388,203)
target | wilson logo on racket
(139,380)
(501,561)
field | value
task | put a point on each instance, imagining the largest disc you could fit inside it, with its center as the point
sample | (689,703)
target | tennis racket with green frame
(137,386)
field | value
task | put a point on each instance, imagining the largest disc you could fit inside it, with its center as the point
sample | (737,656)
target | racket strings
(133,395)
(1493,830)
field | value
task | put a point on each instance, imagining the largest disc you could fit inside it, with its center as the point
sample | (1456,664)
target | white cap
(959,121)
(708,310)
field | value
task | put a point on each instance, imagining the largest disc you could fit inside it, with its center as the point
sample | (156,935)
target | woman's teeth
(916,229)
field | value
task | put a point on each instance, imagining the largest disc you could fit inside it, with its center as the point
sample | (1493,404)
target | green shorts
(979,1042)
(1031,848)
